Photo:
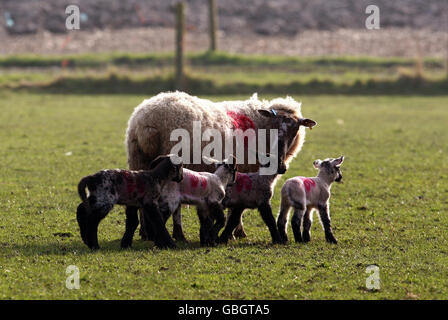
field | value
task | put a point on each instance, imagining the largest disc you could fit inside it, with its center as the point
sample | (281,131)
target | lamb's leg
(93,220)
(282,220)
(296,221)
(268,218)
(324,213)
(81,216)
(239,230)
(233,219)
(131,225)
(217,214)
(154,223)
(206,225)
(178,233)
(307,223)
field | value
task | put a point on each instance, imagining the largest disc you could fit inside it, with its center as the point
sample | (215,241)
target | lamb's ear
(156,161)
(308,123)
(317,163)
(175,159)
(337,162)
(267,113)
(233,164)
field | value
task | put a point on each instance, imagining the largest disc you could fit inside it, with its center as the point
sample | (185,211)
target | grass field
(223,73)
(390,210)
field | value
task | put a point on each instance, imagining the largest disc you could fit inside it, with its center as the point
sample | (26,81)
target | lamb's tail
(82,188)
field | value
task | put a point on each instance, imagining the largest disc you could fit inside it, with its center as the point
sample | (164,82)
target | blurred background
(308,47)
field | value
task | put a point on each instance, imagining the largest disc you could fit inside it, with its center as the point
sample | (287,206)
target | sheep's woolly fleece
(150,125)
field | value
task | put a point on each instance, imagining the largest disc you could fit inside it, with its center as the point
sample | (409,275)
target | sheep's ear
(308,123)
(337,162)
(267,113)
(317,163)
(208,160)
(156,162)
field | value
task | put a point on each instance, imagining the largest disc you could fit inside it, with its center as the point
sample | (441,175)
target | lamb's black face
(339,175)
(179,172)
(232,168)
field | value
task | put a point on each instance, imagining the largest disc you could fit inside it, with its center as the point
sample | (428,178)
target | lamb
(306,194)
(150,125)
(136,189)
(251,191)
(204,190)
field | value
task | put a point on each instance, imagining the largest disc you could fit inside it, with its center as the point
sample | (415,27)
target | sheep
(153,121)
(204,190)
(307,194)
(131,188)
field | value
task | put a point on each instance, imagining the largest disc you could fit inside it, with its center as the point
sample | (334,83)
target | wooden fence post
(213,24)
(180,30)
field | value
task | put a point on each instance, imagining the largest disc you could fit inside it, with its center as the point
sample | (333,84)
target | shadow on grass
(77,247)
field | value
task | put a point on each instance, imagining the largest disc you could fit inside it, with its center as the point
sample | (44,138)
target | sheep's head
(330,168)
(288,124)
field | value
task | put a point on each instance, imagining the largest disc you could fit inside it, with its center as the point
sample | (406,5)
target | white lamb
(306,194)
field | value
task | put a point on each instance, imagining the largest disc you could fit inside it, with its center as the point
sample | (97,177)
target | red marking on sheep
(243,182)
(308,183)
(241,121)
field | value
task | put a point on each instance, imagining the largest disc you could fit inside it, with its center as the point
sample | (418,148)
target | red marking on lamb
(203,182)
(308,183)
(140,186)
(243,182)
(196,180)
(130,184)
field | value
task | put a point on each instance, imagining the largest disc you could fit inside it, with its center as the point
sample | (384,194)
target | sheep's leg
(146,234)
(266,213)
(178,233)
(296,221)
(155,224)
(131,225)
(233,219)
(81,216)
(324,213)
(307,223)
(282,220)
(93,220)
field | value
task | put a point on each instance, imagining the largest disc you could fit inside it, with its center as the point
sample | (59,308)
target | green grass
(390,210)
(222,74)
(210,59)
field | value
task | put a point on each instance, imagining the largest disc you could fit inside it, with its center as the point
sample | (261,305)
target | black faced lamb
(140,189)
